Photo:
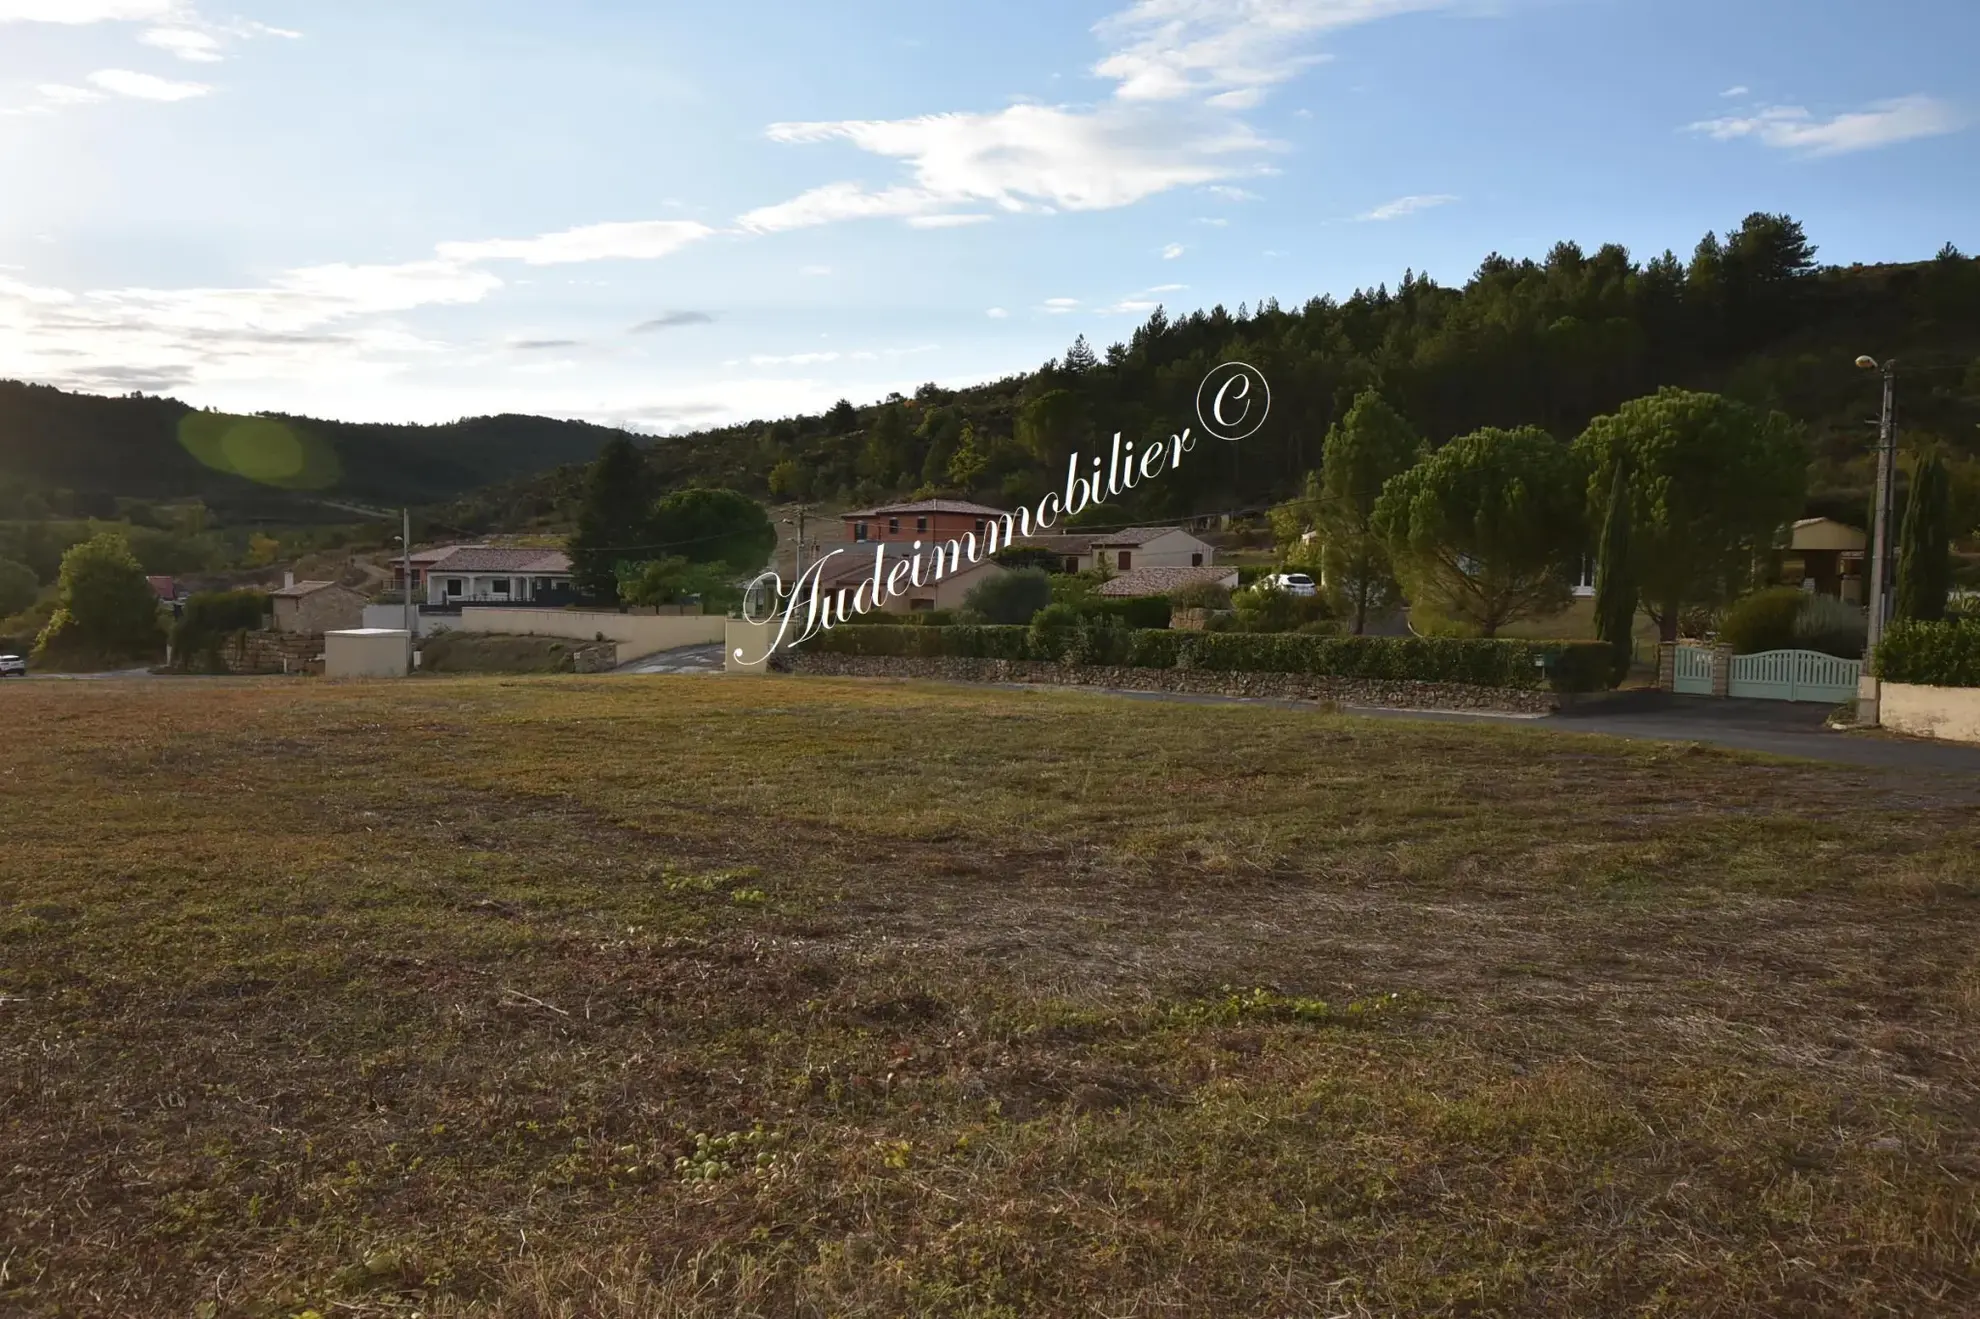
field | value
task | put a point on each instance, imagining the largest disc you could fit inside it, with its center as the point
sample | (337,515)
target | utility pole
(405,547)
(1880,537)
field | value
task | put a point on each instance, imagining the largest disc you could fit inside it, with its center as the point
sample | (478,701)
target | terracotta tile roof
(163,587)
(1161,581)
(301,589)
(1133,536)
(488,558)
(929,506)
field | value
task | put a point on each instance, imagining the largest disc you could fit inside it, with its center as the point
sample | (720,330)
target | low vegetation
(759,997)
(485,652)
(1931,654)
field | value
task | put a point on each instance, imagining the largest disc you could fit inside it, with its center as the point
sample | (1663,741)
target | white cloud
(187,43)
(1402,206)
(1023,158)
(1172,251)
(1170,49)
(1130,307)
(146,86)
(1061,306)
(997,314)
(60,94)
(1793,128)
(641,240)
(81,12)
(1215,222)
(794,359)
(1166,288)
(1740,90)
(950,221)
(1229,193)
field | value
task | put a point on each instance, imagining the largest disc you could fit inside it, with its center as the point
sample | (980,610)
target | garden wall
(1951,713)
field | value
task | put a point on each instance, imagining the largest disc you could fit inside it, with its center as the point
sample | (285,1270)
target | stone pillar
(1722,671)
(1869,701)
(1667,666)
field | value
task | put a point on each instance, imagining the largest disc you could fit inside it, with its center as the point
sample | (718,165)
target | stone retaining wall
(273,652)
(1389,694)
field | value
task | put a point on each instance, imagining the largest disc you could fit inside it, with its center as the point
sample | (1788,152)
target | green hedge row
(1931,654)
(1572,666)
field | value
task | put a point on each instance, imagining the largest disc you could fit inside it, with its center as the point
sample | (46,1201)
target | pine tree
(1369,445)
(1924,573)
(1615,578)
(612,520)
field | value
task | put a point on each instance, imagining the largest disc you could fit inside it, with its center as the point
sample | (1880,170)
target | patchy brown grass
(685,996)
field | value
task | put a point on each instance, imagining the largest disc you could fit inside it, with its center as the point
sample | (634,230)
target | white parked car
(13,666)
(1293,583)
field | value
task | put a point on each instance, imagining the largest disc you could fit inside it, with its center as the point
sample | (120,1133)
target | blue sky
(664,215)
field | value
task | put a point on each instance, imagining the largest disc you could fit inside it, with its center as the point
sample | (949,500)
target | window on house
(921,525)
(501,586)
(1126,559)
(893,526)
(979,526)
(453,586)
(1072,564)
(917,606)
(859,531)
(1196,560)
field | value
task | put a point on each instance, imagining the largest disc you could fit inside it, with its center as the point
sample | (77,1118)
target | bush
(1264,608)
(1575,666)
(208,619)
(1833,627)
(19,587)
(1010,598)
(1133,610)
(1763,621)
(1201,595)
(1930,654)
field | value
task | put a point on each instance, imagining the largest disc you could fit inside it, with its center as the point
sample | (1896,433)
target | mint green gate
(1795,675)
(1693,671)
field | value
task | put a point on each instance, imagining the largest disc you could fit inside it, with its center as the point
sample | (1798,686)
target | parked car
(13,666)
(1293,583)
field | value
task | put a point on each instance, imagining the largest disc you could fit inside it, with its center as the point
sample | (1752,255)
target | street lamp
(1880,544)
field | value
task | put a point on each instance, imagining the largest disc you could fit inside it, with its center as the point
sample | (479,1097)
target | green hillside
(76,454)
(1551,342)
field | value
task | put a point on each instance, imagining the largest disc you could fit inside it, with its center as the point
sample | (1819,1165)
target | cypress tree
(612,520)
(1615,578)
(1924,573)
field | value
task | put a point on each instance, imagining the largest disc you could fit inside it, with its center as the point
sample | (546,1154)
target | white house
(1124,551)
(487,575)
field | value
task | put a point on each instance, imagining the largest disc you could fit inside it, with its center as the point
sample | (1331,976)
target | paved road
(1771,727)
(688,659)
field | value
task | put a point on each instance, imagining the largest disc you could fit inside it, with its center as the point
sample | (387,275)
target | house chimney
(288,580)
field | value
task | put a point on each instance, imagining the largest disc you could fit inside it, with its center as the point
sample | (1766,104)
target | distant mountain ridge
(145,447)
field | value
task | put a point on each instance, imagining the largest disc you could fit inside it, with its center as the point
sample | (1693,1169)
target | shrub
(1832,626)
(19,587)
(1930,654)
(1577,666)
(1264,608)
(1763,621)
(209,619)
(1201,595)
(1133,610)
(1010,598)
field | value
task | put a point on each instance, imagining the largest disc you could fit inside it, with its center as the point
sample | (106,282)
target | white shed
(367,652)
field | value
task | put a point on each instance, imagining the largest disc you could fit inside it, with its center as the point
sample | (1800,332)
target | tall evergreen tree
(1615,577)
(612,521)
(1369,445)
(1924,572)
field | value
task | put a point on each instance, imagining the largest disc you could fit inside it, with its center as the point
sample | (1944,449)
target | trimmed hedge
(1572,666)
(1931,654)
(1134,610)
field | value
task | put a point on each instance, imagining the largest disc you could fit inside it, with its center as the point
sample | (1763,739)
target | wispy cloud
(1884,123)
(951,221)
(187,43)
(541,345)
(997,314)
(1402,206)
(639,240)
(1740,90)
(672,319)
(816,272)
(1172,251)
(146,86)
(1061,306)
(1230,193)
(1214,221)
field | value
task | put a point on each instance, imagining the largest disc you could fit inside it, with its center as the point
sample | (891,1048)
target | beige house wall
(1951,713)
(366,654)
(332,609)
(638,635)
(1177,549)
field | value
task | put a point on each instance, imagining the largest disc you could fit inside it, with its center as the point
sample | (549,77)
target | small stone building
(317,607)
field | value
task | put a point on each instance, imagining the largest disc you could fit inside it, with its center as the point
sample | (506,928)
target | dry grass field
(711,997)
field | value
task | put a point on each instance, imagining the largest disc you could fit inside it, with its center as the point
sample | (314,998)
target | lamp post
(1880,538)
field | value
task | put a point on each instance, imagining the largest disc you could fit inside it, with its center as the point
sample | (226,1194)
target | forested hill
(79,452)
(1551,342)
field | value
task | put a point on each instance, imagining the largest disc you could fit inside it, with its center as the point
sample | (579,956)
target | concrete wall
(426,624)
(638,635)
(366,654)
(753,639)
(1952,713)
